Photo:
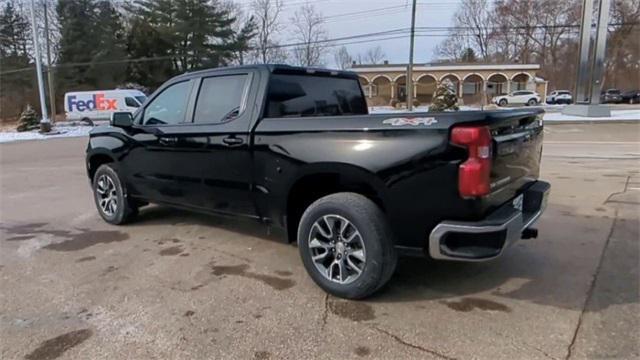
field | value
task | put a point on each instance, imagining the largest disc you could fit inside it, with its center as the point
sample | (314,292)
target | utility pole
(52,92)
(45,124)
(591,62)
(409,81)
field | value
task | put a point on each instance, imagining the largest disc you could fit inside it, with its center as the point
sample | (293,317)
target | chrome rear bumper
(487,239)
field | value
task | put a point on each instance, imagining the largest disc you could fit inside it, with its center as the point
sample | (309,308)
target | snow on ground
(616,115)
(57,132)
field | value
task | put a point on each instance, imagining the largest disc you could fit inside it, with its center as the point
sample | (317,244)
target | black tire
(532,102)
(124,209)
(376,237)
(503,102)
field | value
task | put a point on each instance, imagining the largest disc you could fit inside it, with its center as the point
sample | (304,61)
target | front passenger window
(169,107)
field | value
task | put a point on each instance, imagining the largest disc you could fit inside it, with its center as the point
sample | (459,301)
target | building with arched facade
(473,83)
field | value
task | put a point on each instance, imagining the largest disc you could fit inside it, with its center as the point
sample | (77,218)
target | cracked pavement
(188,286)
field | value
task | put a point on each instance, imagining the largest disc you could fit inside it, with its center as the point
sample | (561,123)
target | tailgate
(517,149)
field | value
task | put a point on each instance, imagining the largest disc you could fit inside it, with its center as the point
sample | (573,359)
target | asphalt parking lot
(188,286)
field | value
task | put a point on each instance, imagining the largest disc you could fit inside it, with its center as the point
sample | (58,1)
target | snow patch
(616,115)
(60,131)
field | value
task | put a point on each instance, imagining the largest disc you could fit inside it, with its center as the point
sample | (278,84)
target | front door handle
(168,141)
(232,140)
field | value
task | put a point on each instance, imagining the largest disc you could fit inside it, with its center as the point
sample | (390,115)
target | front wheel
(502,102)
(532,102)
(109,195)
(346,245)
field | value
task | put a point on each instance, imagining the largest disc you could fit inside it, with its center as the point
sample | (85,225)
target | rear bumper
(487,239)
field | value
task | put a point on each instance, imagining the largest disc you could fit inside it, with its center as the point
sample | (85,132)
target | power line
(423,32)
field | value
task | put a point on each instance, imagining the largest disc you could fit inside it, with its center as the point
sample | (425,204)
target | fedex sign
(93,102)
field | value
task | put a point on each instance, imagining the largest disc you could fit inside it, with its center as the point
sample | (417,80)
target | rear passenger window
(220,99)
(308,95)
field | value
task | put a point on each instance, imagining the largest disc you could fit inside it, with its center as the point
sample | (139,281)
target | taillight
(474,173)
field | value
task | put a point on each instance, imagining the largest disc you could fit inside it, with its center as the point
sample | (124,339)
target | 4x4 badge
(414,121)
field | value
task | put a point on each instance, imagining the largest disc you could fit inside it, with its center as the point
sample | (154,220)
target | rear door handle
(168,140)
(232,140)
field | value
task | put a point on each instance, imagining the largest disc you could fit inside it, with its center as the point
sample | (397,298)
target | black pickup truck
(295,148)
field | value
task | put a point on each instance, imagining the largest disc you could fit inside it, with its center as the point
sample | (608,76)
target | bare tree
(451,48)
(374,55)
(267,15)
(309,32)
(623,49)
(342,58)
(474,18)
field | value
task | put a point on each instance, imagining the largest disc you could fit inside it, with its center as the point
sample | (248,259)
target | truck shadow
(558,269)
(154,215)
(554,270)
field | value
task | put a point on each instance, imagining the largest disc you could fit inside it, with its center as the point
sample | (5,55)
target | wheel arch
(319,180)
(96,160)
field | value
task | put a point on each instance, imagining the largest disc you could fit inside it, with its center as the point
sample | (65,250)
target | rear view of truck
(500,177)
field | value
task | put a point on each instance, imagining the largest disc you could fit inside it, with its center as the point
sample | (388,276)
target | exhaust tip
(529,233)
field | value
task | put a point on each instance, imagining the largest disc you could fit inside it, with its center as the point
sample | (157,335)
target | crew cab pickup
(296,149)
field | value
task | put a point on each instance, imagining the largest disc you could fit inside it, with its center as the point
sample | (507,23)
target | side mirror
(122,119)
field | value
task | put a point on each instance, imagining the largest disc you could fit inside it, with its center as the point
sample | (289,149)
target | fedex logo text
(95,102)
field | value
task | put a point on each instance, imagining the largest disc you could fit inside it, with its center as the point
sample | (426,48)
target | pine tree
(77,29)
(14,37)
(15,88)
(444,98)
(145,41)
(91,32)
(468,56)
(194,33)
(28,119)
(109,45)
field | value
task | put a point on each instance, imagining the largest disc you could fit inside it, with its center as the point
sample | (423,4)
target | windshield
(141,99)
(614,92)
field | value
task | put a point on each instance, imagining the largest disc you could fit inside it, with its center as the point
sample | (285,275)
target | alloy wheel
(337,249)
(107,195)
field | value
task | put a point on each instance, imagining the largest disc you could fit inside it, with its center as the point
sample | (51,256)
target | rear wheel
(502,102)
(346,245)
(109,195)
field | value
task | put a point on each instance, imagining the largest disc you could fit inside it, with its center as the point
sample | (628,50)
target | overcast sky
(393,14)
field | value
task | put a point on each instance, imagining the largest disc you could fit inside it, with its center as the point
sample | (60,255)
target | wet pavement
(188,286)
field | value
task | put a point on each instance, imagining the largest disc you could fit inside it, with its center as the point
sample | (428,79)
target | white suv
(560,97)
(520,97)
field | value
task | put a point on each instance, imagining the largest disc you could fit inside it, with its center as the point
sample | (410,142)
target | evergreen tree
(28,120)
(15,88)
(77,28)
(444,98)
(145,41)
(109,37)
(90,32)
(468,56)
(193,33)
(242,38)
(14,37)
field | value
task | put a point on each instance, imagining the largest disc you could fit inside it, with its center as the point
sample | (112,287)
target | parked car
(520,97)
(631,97)
(296,149)
(100,104)
(611,96)
(560,97)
